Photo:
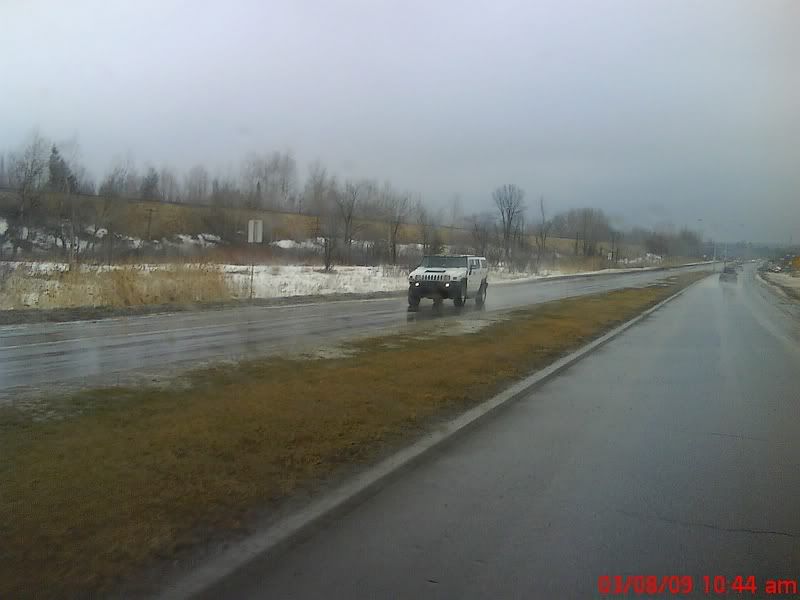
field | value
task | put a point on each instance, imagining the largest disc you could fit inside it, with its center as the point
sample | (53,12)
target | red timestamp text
(645,584)
(741,584)
(711,585)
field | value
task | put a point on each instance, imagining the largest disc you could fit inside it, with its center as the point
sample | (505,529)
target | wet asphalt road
(673,450)
(42,353)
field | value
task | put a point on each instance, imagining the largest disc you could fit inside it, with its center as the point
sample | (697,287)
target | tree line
(508,231)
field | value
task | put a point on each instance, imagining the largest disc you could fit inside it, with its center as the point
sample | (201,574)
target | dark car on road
(729,273)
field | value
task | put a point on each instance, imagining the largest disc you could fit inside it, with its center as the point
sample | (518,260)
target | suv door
(473,276)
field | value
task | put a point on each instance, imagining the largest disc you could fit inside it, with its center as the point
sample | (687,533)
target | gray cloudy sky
(655,110)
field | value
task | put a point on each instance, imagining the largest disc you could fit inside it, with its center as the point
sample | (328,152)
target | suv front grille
(432,277)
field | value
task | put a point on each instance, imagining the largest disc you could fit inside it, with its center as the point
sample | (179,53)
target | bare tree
(522,249)
(481,231)
(69,177)
(347,202)
(84,180)
(429,231)
(423,223)
(316,187)
(327,223)
(542,232)
(225,195)
(196,185)
(168,187)
(269,181)
(28,174)
(61,222)
(508,199)
(133,181)
(321,197)
(107,217)
(616,238)
(396,211)
(285,168)
(593,224)
(113,184)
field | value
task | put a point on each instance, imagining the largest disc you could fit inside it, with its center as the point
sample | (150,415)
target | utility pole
(714,264)
(110,236)
(74,241)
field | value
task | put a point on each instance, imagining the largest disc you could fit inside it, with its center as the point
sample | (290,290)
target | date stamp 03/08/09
(679,585)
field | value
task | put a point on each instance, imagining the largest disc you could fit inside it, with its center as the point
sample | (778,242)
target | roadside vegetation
(122,478)
(54,212)
(117,287)
(52,208)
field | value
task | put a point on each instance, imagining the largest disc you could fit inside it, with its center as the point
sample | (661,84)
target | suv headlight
(447,277)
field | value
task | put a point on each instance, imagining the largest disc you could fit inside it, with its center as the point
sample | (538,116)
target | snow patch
(287,281)
(293,245)
(98,232)
(134,242)
(202,240)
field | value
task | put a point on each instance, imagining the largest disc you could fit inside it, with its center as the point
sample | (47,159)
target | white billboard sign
(255,231)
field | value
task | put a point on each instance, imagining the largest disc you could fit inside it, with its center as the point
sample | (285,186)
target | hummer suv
(449,276)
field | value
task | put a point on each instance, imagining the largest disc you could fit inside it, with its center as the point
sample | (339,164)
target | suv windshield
(445,262)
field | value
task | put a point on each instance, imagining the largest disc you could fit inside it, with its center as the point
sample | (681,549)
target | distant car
(445,276)
(729,273)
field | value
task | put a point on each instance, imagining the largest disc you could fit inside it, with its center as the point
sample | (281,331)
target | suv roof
(455,255)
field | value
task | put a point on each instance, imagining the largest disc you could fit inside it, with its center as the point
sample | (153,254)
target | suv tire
(462,294)
(413,299)
(480,297)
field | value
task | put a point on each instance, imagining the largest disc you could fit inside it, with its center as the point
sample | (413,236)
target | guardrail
(604,273)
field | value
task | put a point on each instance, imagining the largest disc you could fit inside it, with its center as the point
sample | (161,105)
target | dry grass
(141,473)
(118,287)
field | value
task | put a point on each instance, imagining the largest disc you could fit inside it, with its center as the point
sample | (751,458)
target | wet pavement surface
(673,450)
(59,353)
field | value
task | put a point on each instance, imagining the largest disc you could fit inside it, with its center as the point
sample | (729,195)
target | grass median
(134,476)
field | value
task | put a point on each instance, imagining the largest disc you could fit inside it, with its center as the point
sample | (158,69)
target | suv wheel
(462,294)
(413,299)
(480,297)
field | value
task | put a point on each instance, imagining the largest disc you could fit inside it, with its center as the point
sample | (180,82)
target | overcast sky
(655,110)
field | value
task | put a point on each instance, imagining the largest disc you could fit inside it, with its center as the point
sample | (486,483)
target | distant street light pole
(714,260)
(714,263)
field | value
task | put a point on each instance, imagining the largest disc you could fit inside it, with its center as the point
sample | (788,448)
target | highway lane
(673,450)
(37,354)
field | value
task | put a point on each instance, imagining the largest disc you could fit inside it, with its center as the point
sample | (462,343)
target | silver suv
(449,276)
